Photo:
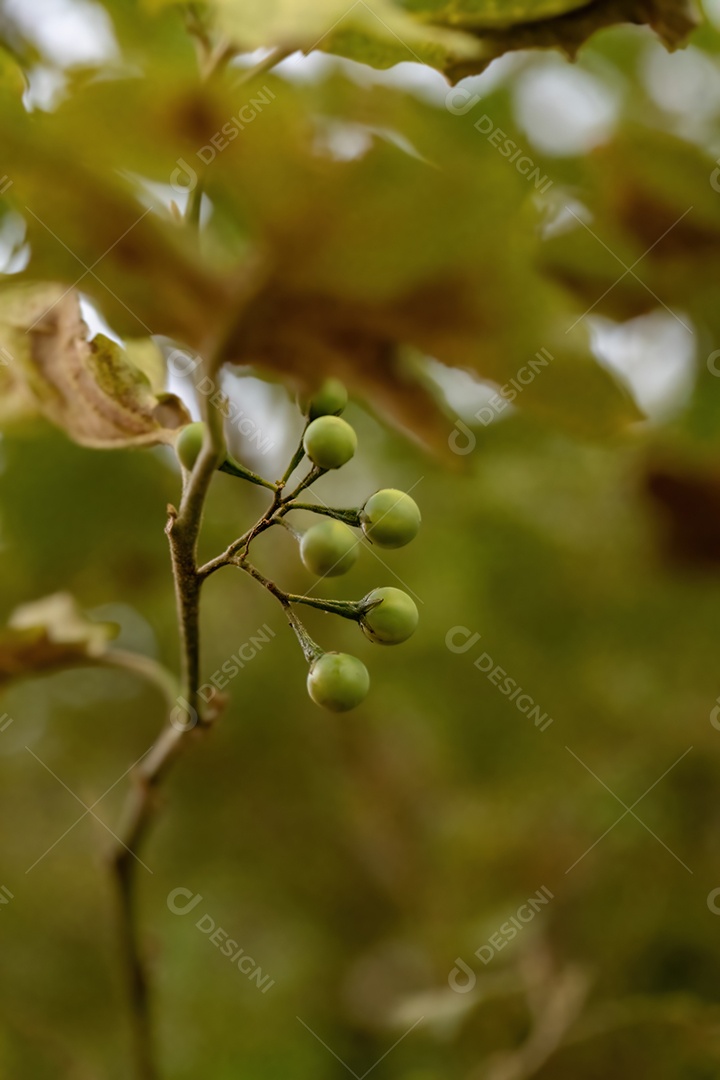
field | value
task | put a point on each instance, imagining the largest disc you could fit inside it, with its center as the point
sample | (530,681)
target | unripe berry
(189,444)
(338,682)
(390,518)
(329,400)
(329,549)
(393,620)
(329,442)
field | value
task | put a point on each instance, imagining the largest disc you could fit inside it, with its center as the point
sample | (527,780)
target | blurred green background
(355,858)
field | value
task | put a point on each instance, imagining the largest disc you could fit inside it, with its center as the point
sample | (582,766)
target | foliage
(218,219)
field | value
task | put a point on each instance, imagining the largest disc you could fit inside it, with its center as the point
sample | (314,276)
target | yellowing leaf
(421,242)
(565,25)
(91,389)
(423,239)
(148,358)
(64,623)
(492,13)
(87,227)
(458,37)
(652,204)
(16,401)
(376,31)
(50,634)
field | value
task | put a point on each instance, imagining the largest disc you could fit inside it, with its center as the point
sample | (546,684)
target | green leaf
(91,389)
(652,204)
(492,13)
(501,27)
(147,357)
(88,226)
(373,31)
(358,274)
(458,37)
(12,78)
(311,260)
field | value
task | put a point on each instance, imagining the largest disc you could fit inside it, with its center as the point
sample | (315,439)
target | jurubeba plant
(388,616)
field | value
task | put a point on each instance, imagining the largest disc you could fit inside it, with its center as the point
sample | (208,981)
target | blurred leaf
(86,226)
(552,24)
(145,355)
(16,400)
(363,263)
(12,77)
(373,31)
(422,237)
(651,234)
(90,389)
(49,634)
(493,13)
(458,37)
(688,502)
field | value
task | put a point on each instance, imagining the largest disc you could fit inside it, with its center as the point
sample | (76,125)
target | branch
(182,531)
(315,473)
(309,647)
(274,57)
(274,515)
(350,517)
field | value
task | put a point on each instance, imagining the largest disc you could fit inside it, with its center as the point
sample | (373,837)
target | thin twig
(280,506)
(314,474)
(294,462)
(274,57)
(182,530)
(309,647)
(349,516)
(273,516)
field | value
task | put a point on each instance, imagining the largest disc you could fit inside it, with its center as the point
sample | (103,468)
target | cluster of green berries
(388,519)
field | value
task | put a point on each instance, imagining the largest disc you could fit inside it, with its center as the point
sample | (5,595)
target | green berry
(329,442)
(391,621)
(390,518)
(329,400)
(329,549)
(338,682)
(189,444)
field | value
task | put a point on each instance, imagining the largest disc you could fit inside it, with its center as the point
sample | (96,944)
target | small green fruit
(329,400)
(338,682)
(393,620)
(329,549)
(329,442)
(390,518)
(189,444)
